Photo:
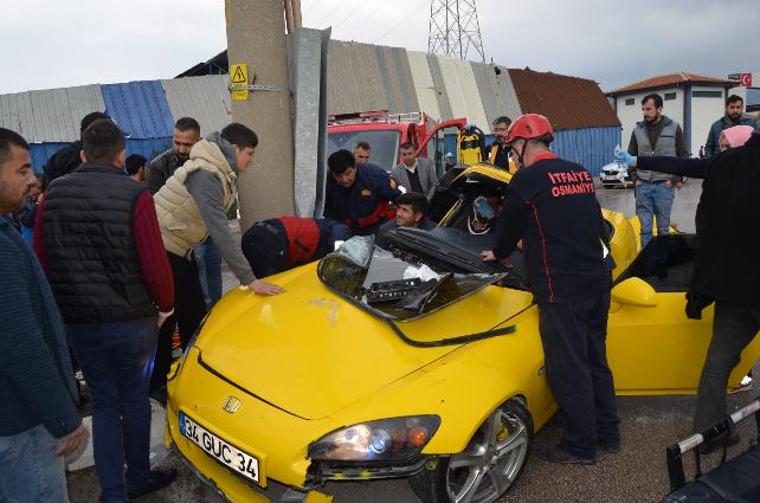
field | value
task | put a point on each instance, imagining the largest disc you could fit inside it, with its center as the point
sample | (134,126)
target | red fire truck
(385,132)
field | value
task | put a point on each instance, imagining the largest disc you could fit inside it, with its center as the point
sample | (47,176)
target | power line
(326,19)
(351,13)
(309,8)
(397,25)
(358,23)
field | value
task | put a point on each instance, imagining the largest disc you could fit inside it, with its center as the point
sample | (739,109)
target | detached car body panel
(273,376)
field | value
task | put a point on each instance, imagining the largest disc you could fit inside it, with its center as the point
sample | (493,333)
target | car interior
(666,263)
(422,271)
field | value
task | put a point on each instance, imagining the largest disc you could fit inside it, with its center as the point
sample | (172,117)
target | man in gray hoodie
(193,205)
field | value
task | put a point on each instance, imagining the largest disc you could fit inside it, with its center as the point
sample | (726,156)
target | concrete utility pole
(256,38)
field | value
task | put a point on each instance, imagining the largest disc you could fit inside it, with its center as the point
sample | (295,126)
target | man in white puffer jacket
(192,205)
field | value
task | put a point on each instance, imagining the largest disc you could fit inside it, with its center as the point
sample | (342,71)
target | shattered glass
(410,288)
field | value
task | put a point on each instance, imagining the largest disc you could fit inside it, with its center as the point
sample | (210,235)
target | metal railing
(720,431)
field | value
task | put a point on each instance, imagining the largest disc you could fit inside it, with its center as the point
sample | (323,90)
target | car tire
(488,467)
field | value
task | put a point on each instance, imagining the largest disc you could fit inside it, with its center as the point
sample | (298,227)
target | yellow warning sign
(239,81)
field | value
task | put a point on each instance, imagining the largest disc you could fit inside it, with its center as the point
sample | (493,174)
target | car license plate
(224,452)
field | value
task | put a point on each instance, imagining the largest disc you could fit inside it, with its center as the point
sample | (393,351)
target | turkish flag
(746,79)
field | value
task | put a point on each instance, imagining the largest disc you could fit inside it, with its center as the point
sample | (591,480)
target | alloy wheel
(492,460)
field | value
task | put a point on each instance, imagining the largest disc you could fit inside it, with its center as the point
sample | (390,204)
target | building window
(670,96)
(707,94)
(630,101)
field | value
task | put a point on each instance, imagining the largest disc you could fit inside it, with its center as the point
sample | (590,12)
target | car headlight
(397,439)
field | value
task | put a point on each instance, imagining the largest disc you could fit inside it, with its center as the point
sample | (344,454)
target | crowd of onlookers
(109,260)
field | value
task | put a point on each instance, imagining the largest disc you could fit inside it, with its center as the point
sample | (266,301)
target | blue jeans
(209,263)
(30,472)
(117,362)
(654,199)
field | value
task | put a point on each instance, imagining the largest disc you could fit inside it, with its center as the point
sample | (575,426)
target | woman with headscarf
(731,137)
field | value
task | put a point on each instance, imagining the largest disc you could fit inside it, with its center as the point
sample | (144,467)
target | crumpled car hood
(311,353)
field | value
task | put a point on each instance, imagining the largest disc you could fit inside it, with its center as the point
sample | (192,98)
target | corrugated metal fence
(360,77)
(591,148)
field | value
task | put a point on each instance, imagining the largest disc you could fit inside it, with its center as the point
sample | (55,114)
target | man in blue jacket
(359,196)
(39,421)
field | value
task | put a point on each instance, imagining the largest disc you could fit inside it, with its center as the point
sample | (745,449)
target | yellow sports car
(420,361)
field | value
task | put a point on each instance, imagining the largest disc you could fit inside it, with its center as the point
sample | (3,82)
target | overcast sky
(52,43)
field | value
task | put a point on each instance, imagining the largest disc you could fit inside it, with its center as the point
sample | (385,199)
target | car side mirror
(635,292)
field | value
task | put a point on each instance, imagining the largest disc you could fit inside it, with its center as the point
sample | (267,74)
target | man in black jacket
(67,159)
(551,205)
(97,237)
(187,132)
(727,269)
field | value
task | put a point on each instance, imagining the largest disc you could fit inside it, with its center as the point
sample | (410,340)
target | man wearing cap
(551,205)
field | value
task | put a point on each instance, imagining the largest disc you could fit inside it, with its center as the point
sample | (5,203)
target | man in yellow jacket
(193,205)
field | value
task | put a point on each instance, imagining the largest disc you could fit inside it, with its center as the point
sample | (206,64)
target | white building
(694,101)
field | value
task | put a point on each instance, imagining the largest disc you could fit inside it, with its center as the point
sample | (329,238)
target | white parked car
(615,174)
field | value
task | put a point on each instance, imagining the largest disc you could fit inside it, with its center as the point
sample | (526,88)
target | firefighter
(359,197)
(551,205)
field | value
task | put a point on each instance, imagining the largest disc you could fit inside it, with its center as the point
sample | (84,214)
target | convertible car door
(656,349)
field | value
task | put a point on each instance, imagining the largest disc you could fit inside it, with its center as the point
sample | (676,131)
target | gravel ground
(637,474)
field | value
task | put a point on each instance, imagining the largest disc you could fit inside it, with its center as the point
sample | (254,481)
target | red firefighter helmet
(530,127)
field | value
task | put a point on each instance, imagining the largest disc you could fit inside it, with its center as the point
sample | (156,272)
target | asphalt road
(637,474)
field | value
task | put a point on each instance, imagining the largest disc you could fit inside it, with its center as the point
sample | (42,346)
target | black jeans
(574,339)
(189,310)
(734,328)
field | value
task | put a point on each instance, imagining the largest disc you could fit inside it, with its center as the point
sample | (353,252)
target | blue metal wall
(41,152)
(139,108)
(146,147)
(141,111)
(591,148)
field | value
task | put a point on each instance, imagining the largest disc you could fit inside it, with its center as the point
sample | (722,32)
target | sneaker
(745,385)
(719,443)
(556,454)
(609,446)
(158,480)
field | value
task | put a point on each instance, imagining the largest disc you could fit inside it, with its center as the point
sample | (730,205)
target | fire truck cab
(385,132)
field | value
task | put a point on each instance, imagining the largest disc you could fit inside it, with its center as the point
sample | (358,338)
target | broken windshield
(384,145)
(402,285)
